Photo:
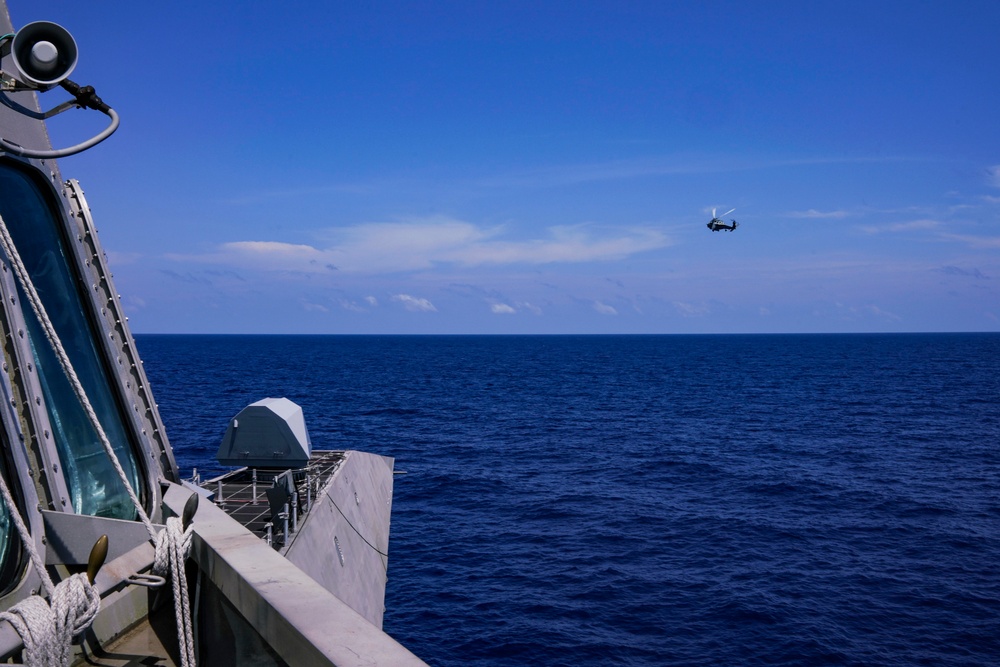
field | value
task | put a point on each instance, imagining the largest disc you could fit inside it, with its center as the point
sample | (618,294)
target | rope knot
(47,629)
(172,547)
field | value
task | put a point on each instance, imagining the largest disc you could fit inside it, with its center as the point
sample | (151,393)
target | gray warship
(107,556)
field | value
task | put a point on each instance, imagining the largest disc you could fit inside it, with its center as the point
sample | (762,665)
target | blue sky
(542,167)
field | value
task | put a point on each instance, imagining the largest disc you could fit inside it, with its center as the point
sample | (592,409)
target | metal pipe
(254,486)
(295,512)
(218,493)
(284,518)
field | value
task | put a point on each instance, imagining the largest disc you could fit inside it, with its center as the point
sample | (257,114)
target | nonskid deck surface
(240,498)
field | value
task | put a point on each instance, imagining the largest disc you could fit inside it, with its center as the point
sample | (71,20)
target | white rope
(47,629)
(174,543)
(50,333)
(172,548)
(26,540)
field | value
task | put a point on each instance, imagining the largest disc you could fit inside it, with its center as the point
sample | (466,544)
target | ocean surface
(651,500)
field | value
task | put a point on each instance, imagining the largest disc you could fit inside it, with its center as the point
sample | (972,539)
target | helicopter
(717,223)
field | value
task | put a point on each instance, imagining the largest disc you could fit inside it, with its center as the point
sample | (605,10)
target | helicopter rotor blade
(729,211)
(713,214)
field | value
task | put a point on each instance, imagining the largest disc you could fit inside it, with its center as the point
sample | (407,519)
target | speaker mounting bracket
(39,73)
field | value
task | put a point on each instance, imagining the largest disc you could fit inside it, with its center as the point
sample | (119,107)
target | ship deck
(245,500)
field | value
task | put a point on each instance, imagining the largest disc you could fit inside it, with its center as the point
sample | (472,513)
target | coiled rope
(47,628)
(172,544)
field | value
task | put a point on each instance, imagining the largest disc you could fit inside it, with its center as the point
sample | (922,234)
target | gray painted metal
(343,541)
(70,537)
(15,126)
(119,346)
(270,433)
(122,605)
(345,544)
(303,622)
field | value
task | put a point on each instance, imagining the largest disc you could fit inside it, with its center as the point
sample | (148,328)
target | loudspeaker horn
(44,54)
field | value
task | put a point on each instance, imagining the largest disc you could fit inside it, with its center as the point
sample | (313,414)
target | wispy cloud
(314,307)
(262,195)
(881,313)
(895,227)
(604,309)
(958,271)
(415,304)
(813,214)
(993,175)
(186,277)
(352,306)
(502,309)
(122,258)
(273,255)
(691,309)
(854,312)
(974,241)
(422,244)
(671,165)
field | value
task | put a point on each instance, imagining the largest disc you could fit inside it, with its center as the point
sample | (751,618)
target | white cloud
(414,303)
(627,169)
(604,309)
(878,312)
(423,244)
(529,307)
(565,244)
(691,309)
(122,258)
(347,304)
(813,214)
(993,175)
(974,241)
(276,249)
(913,225)
(502,309)
(372,301)
(134,302)
(314,307)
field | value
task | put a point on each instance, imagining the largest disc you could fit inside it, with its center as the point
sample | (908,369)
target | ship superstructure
(91,475)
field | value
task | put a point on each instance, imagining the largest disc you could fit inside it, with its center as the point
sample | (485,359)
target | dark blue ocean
(651,500)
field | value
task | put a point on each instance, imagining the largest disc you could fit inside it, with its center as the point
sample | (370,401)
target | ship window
(94,486)
(10,541)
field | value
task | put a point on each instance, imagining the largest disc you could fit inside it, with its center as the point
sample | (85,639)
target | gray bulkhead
(343,542)
(35,459)
(260,603)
